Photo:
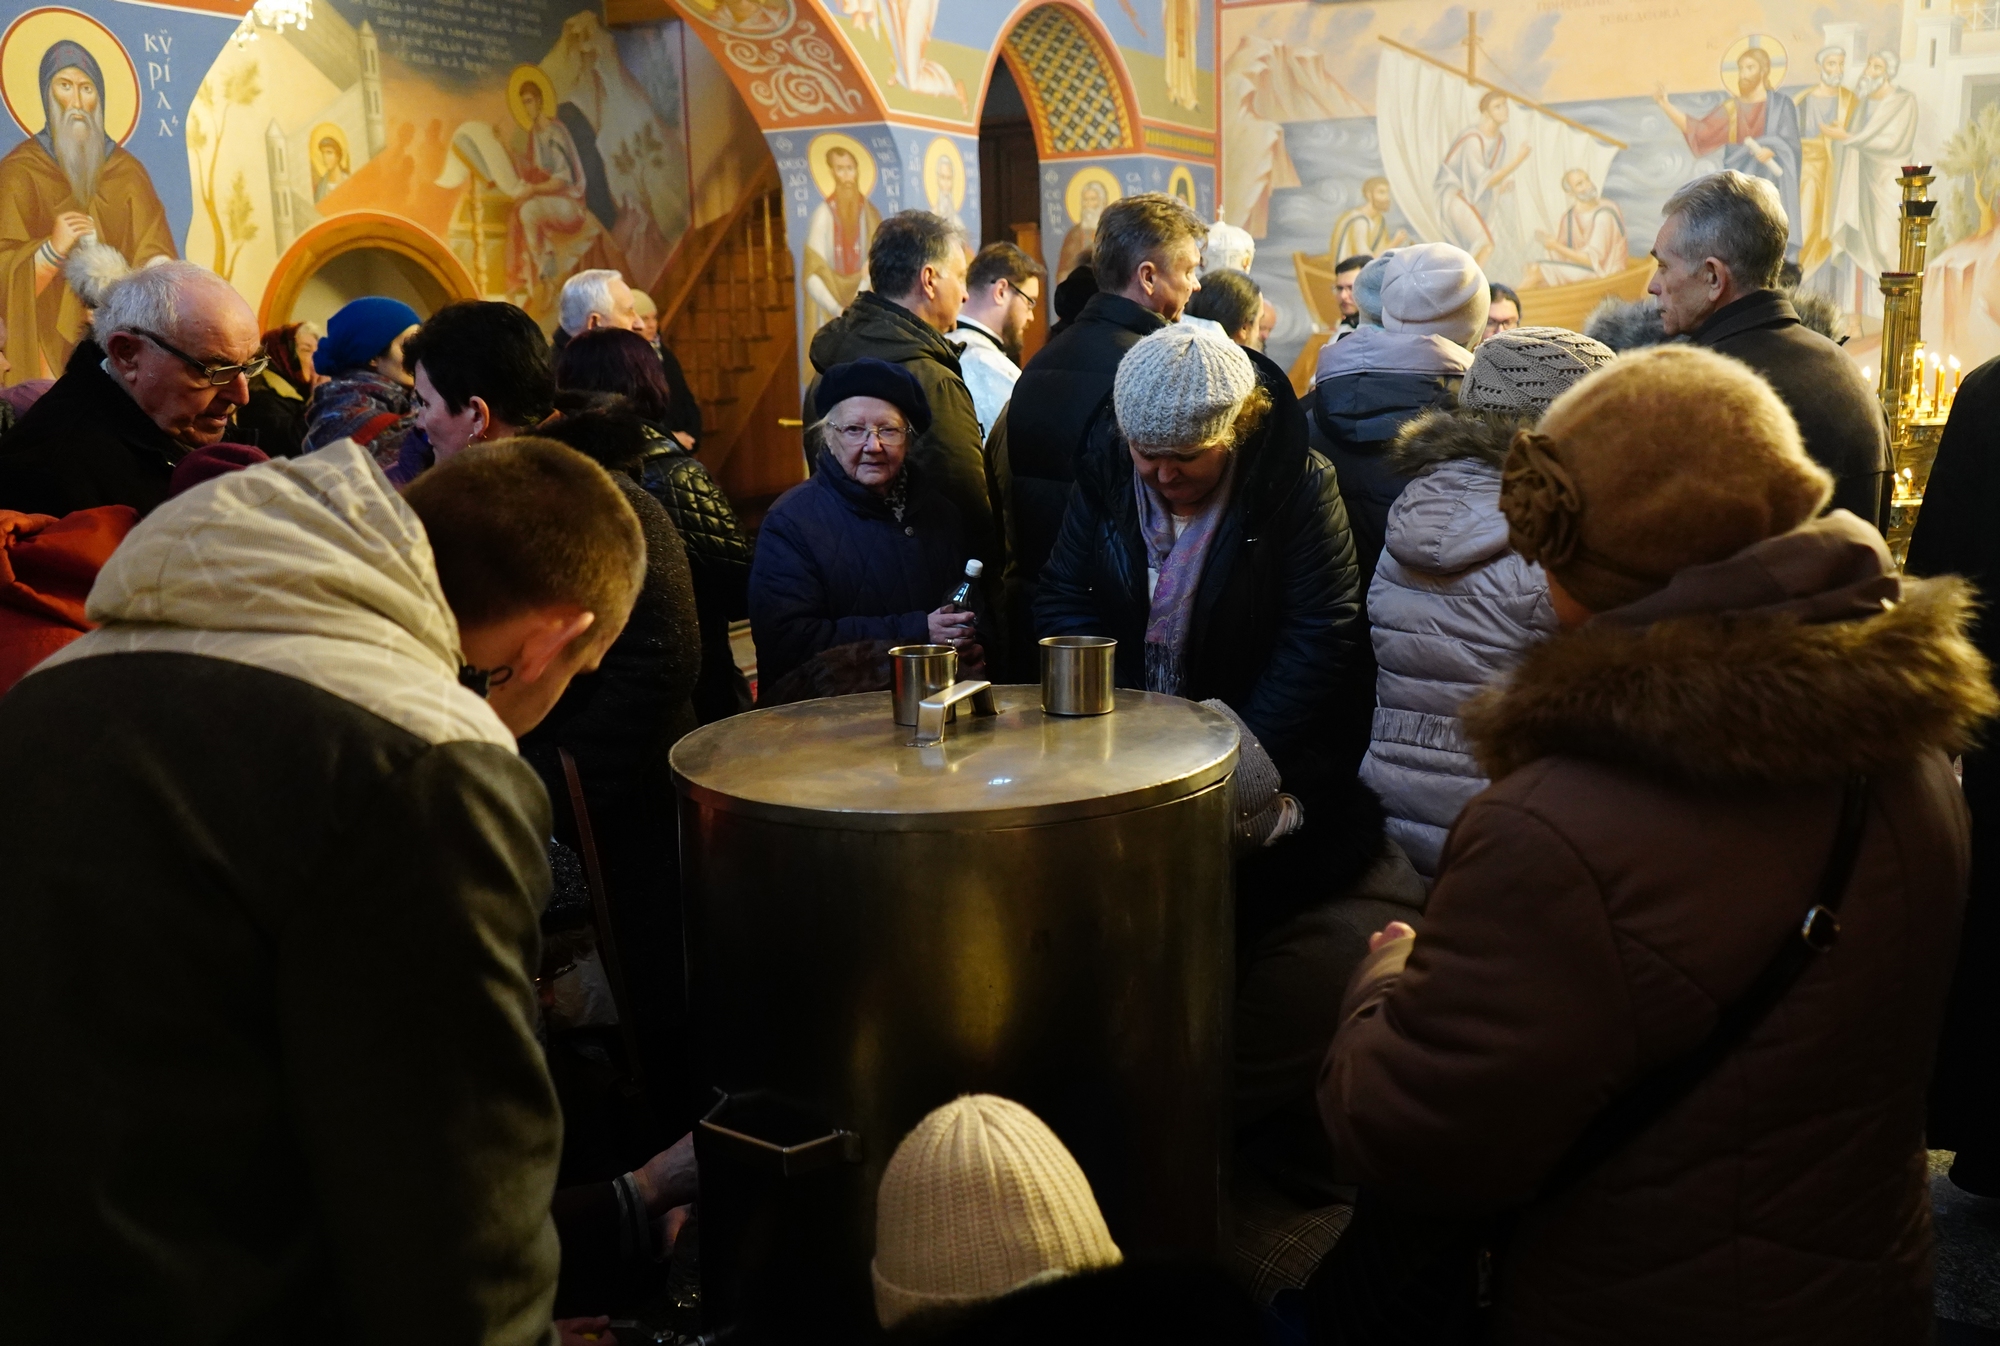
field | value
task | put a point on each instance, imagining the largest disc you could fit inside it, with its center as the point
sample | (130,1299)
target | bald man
(172,351)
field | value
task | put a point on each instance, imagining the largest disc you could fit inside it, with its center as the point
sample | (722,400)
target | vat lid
(842,762)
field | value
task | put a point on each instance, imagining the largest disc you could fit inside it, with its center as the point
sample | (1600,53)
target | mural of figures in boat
(1546,139)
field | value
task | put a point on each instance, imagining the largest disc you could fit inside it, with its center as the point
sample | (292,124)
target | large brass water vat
(1041,907)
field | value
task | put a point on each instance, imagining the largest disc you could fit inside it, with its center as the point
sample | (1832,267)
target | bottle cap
(974,569)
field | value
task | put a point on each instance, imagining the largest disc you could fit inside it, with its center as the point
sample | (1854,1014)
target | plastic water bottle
(960,598)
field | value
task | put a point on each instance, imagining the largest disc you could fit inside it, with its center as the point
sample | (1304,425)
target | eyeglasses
(1023,294)
(888,436)
(216,376)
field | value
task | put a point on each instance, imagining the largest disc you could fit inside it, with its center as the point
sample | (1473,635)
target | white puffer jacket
(1453,607)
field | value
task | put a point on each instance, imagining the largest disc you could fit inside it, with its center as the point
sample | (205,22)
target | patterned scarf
(1180,562)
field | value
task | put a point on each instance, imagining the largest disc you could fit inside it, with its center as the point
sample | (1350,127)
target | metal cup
(1076,674)
(917,672)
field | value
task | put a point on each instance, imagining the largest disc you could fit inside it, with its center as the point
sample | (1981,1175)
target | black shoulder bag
(1397,1278)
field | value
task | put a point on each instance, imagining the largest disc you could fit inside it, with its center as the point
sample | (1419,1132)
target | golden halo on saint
(864,162)
(942,148)
(1180,186)
(29,38)
(1773,49)
(1073,194)
(322,133)
(523,76)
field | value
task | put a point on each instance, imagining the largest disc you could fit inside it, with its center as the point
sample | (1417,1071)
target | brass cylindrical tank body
(1041,908)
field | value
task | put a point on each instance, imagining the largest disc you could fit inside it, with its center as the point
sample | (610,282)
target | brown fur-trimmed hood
(1762,693)
(1447,436)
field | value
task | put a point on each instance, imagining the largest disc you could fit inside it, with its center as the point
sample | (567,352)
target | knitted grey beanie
(1526,368)
(1181,387)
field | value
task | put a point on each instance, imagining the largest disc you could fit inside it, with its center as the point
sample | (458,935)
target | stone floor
(1968,1261)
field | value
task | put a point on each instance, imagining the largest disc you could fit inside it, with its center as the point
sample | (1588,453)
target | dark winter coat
(1955,535)
(274,1075)
(835,566)
(951,455)
(1838,415)
(1031,455)
(1368,385)
(274,419)
(1667,781)
(86,443)
(619,723)
(1276,614)
(719,558)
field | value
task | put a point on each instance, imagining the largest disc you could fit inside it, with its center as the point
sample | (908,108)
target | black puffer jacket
(1277,613)
(718,554)
(1031,455)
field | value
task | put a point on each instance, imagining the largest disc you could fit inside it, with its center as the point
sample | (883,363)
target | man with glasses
(172,353)
(1003,285)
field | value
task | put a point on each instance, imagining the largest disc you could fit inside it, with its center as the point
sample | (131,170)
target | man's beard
(78,140)
(1866,86)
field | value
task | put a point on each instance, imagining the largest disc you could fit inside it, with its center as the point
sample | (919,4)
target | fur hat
(1526,368)
(980,1199)
(1181,387)
(1435,288)
(870,377)
(1665,458)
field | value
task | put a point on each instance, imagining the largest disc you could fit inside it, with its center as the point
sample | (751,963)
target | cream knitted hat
(1180,387)
(980,1199)
(1526,368)
(1437,289)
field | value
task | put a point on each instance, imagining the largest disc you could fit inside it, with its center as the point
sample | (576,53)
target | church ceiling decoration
(1075,106)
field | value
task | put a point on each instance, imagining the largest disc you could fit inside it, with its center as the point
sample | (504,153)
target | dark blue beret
(870,377)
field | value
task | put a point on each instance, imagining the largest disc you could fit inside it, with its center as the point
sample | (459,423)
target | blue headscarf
(61,56)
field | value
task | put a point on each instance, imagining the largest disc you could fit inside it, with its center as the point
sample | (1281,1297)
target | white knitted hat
(1181,387)
(978,1200)
(1438,289)
(1526,368)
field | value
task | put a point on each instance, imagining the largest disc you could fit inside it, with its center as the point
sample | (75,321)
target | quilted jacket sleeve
(1459,1080)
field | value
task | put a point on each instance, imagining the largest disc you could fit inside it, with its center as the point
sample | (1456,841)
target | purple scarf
(1180,563)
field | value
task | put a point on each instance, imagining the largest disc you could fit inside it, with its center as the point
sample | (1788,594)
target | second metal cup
(918,671)
(1076,674)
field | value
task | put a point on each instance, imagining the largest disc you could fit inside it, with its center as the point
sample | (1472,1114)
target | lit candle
(1937,383)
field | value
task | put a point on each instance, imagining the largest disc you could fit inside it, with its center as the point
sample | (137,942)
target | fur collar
(1444,436)
(1752,698)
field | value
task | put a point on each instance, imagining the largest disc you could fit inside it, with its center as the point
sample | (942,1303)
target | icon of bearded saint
(67,183)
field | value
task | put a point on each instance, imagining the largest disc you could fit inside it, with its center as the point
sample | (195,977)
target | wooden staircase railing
(728,309)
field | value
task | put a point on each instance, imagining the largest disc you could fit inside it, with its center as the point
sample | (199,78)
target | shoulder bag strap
(1663,1090)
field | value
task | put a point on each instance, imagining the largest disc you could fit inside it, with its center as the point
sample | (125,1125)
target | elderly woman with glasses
(863,551)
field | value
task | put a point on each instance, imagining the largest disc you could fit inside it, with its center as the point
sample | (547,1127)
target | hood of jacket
(1377,350)
(874,326)
(1800,660)
(1448,520)
(1452,436)
(310,567)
